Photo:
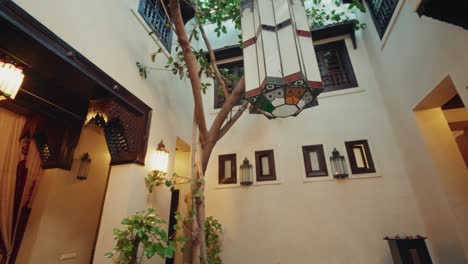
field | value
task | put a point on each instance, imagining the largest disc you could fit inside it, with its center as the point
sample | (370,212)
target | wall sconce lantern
(246,173)
(84,167)
(161,158)
(11,78)
(338,164)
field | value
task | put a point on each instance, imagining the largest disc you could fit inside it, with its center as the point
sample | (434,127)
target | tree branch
(213,64)
(192,67)
(233,120)
(230,102)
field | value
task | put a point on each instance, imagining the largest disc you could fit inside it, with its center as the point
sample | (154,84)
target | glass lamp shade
(282,76)
(83,171)
(338,164)
(246,173)
(11,78)
(161,158)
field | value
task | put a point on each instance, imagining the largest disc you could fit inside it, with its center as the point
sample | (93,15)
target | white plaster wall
(417,55)
(65,214)
(327,221)
(109,35)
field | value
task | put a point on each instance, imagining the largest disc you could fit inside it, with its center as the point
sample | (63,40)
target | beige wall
(417,55)
(325,221)
(462,142)
(294,221)
(65,216)
(109,34)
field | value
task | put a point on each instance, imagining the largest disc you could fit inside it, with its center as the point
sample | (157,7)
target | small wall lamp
(161,158)
(246,173)
(338,164)
(83,171)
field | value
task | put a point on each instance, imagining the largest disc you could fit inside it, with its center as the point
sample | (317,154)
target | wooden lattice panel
(125,130)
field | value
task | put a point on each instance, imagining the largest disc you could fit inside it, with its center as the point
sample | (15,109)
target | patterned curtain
(20,170)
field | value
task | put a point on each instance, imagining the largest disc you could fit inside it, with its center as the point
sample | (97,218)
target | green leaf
(109,255)
(159,248)
(168,183)
(168,252)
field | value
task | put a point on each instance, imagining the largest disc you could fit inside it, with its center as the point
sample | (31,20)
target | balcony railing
(156,19)
(381,12)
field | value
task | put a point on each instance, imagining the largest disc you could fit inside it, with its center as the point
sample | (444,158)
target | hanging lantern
(161,158)
(84,167)
(246,173)
(282,76)
(338,164)
(11,78)
(98,112)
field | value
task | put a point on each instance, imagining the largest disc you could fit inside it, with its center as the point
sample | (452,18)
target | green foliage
(155,179)
(158,178)
(321,14)
(213,232)
(142,230)
(217,12)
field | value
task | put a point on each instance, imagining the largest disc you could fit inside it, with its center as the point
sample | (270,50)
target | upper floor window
(335,66)
(381,12)
(153,13)
(235,69)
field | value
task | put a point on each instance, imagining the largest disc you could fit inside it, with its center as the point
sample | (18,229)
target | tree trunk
(135,245)
(199,254)
(207,139)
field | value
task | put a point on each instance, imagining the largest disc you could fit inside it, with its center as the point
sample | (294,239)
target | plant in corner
(143,233)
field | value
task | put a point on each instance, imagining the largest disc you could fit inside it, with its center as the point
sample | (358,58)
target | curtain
(20,171)
(11,126)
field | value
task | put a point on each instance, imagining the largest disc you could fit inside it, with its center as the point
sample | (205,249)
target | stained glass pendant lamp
(281,71)
(11,78)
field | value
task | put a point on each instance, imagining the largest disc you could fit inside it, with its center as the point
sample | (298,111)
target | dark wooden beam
(334,30)
(451,11)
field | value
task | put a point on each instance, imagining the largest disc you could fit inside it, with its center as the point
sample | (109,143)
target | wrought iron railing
(153,13)
(381,12)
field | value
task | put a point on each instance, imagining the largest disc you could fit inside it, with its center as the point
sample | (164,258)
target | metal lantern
(338,164)
(84,167)
(11,78)
(246,173)
(282,76)
(161,158)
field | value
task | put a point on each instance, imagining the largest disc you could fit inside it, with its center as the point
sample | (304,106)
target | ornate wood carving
(125,130)
(66,81)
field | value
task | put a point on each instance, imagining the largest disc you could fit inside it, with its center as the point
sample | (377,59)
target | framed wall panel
(314,161)
(360,157)
(227,169)
(265,165)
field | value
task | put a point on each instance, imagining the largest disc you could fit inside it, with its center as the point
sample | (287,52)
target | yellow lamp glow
(161,158)
(11,78)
